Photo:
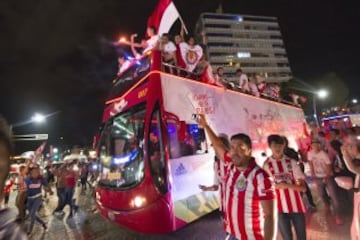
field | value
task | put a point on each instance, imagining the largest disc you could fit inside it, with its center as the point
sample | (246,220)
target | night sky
(56,56)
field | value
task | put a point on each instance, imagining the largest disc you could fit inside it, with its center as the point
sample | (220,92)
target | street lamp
(322,93)
(354,101)
(38,118)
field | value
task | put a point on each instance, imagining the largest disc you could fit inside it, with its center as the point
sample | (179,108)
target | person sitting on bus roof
(243,81)
(124,64)
(204,69)
(219,76)
(253,86)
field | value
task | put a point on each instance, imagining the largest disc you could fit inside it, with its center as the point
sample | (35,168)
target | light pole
(320,94)
(36,118)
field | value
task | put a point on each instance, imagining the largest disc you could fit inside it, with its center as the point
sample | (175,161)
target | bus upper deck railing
(178,71)
(140,67)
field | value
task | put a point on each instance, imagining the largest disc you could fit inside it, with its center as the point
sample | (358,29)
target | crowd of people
(279,189)
(31,185)
(187,58)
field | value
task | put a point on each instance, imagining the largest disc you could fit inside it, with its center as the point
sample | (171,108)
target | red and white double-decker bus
(152,154)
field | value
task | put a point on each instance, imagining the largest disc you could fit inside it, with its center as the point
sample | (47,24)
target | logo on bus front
(142,93)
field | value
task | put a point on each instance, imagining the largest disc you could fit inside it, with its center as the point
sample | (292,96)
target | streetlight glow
(38,118)
(322,93)
(354,101)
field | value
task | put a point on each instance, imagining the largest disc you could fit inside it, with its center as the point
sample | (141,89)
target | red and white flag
(38,152)
(164,16)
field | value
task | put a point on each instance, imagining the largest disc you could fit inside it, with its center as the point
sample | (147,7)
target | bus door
(191,163)
(156,153)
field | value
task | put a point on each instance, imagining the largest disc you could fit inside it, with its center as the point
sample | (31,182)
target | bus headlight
(139,201)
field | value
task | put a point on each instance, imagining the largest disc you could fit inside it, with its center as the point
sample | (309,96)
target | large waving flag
(38,152)
(163,17)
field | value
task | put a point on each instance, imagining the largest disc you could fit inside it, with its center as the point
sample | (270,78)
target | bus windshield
(121,150)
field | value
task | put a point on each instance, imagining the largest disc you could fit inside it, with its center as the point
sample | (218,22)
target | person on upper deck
(191,53)
(168,50)
(243,81)
(151,43)
(123,63)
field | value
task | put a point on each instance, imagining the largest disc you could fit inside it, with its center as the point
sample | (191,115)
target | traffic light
(56,156)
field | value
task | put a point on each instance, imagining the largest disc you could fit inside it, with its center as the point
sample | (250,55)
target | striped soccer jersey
(286,170)
(244,191)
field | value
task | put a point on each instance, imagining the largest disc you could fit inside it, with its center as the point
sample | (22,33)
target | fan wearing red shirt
(289,183)
(249,192)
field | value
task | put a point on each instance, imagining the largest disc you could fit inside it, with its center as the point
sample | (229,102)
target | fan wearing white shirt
(151,43)
(153,40)
(168,49)
(243,81)
(322,173)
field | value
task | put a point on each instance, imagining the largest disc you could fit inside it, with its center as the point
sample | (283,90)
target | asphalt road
(89,225)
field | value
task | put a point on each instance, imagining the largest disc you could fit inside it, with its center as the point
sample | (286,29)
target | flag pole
(183,24)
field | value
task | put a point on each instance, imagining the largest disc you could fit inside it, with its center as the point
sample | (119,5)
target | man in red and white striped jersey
(250,211)
(289,183)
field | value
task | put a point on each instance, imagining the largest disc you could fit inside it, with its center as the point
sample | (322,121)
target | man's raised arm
(219,147)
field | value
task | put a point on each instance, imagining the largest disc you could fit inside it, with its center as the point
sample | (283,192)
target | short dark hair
(219,68)
(239,70)
(243,137)
(286,141)
(275,138)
